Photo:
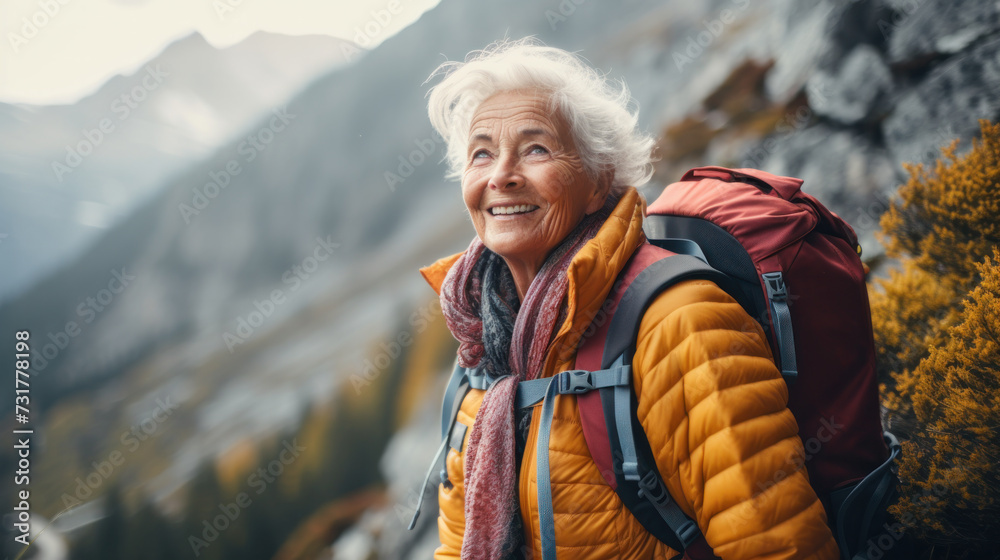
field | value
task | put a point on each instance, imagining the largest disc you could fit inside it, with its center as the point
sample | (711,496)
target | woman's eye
(478,154)
(538,150)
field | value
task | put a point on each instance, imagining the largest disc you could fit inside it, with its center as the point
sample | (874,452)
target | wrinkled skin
(521,153)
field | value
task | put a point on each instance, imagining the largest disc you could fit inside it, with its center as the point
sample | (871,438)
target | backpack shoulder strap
(614,436)
(654,279)
(458,386)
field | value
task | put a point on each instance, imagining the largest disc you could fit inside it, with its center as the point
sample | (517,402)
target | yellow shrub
(947,220)
(951,463)
(942,226)
(937,328)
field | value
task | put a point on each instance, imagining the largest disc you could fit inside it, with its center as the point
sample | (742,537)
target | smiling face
(524,183)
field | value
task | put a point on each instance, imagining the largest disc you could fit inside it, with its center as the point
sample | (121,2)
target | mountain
(68,172)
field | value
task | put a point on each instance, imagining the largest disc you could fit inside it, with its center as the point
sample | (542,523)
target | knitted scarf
(509,340)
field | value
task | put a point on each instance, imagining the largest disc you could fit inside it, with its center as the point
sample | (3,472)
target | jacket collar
(591,273)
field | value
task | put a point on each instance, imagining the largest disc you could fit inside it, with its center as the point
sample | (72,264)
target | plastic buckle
(444,479)
(575,381)
(653,490)
(688,533)
(775,283)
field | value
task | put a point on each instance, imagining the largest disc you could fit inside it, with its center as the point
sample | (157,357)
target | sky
(58,51)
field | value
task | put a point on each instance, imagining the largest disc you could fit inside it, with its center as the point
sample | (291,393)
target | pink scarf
(478,298)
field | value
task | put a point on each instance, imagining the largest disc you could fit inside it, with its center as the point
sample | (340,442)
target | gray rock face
(806,30)
(918,29)
(853,177)
(945,105)
(851,92)
(887,82)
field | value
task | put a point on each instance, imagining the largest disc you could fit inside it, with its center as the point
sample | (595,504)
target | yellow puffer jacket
(712,404)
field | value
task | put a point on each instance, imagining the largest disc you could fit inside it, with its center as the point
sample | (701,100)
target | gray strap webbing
(571,382)
(449,398)
(457,398)
(546,518)
(454,393)
(777,297)
(618,349)
(786,341)
(457,439)
(423,492)
(623,421)
(530,393)
(652,489)
(479,380)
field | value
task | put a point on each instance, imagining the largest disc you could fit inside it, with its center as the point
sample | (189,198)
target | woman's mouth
(510,210)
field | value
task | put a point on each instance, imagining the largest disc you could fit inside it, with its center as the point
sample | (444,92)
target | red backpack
(799,266)
(795,267)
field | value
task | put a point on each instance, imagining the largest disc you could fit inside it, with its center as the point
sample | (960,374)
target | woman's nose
(506,174)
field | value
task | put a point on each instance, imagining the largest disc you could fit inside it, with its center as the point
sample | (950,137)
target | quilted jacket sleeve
(451,497)
(714,408)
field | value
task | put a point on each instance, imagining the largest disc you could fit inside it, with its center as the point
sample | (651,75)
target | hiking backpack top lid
(798,270)
(774,213)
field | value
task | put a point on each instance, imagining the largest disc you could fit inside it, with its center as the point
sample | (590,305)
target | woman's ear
(600,194)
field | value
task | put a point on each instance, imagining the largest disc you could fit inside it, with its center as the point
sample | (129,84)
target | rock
(946,104)
(850,92)
(804,42)
(919,29)
(844,170)
(855,23)
(819,36)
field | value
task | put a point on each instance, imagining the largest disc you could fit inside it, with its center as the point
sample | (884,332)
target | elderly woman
(549,157)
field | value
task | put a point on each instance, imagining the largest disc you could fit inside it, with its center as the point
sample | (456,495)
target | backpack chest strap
(572,382)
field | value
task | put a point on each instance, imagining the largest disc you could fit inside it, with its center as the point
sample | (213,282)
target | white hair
(596,109)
